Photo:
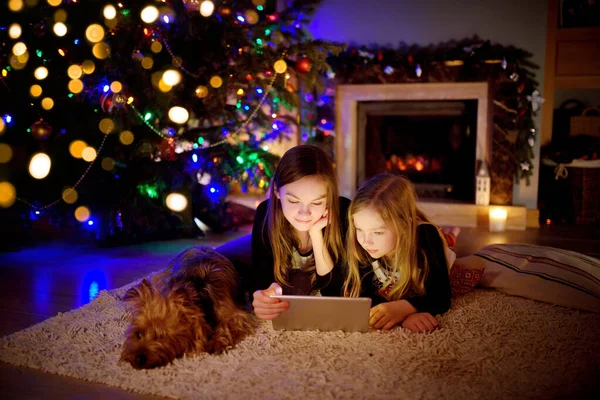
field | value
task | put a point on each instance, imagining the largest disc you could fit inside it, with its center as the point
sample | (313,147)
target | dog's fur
(189,308)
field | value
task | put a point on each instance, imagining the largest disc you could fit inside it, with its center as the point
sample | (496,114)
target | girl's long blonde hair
(297,163)
(393,197)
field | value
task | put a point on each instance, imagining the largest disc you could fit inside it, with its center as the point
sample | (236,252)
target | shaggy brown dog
(189,308)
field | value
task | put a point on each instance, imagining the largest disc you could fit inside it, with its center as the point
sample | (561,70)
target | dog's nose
(140,360)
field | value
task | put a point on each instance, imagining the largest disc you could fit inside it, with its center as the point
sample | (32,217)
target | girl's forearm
(403,309)
(323,260)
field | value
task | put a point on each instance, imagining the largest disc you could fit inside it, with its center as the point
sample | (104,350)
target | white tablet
(308,313)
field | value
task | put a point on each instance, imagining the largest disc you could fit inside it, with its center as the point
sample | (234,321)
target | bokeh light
(15,31)
(179,115)
(40,73)
(149,14)
(110,11)
(108,164)
(19,48)
(216,81)
(101,50)
(106,125)
(207,7)
(76,86)
(89,154)
(156,47)
(116,87)
(39,165)
(6,153)
(35,90)
(201,91)
(70,196)
(171,77)
(76,147)
(94,33)
(47,103)
(176,202)
(126,137)
(82,213)
(60,29)
(15,5)
(74,72)
(8,194)
(147,62)
(88,67)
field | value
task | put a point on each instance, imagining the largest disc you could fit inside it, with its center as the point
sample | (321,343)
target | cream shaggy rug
(491,346)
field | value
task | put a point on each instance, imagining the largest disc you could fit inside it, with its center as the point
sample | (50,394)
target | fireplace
(432,143)
(431,104)
(416,114)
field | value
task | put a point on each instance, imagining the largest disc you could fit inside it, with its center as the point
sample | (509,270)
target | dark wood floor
(37,283)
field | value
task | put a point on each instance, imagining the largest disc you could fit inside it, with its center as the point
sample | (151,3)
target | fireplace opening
(432,143)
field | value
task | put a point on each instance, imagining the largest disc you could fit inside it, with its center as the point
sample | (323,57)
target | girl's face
(373,234)
(303,202)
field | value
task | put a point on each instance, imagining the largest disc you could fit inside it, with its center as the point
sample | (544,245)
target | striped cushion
(541,273)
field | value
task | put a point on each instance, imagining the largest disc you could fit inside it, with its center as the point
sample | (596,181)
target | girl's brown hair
(297,163)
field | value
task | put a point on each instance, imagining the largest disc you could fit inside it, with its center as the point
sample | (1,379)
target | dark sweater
(262,273)
(437,284)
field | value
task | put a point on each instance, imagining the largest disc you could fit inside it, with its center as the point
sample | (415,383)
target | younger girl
(396,256)
(297,235)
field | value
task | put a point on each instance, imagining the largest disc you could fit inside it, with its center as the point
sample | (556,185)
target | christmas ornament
(504,63)
(418,71)
(531,142)
(388,70)
(41,130)
(536,100)
(191,5)
(303,65)
(106,102)
(514,76)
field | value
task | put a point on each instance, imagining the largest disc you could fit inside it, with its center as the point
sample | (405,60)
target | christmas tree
(132,118)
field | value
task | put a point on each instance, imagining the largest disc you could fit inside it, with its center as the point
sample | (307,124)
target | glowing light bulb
(110,12)
(19,49)
(176,202)
(14,31)
(171,77)
(39,166)
(60,29)
(179,115)
(149,14)
(207,8)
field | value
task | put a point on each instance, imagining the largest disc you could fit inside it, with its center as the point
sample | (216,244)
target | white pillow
(547,274)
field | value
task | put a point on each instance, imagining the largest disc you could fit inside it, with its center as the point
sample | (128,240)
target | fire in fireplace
(431,142)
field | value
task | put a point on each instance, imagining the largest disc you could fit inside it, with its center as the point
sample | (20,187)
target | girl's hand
(266,307)
(420,322)
(386,315)
(318,226)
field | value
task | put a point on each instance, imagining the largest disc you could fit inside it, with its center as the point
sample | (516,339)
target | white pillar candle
(497,219)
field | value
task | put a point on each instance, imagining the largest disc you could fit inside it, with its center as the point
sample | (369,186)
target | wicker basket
(586,124)
(585,183)
(582,179)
